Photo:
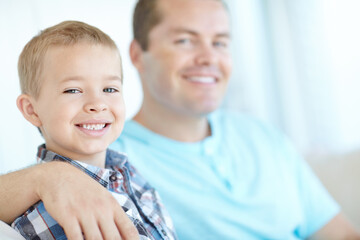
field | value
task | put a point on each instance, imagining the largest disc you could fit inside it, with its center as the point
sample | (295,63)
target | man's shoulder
(235,117)
(132,131)
(132,128)
(244,123)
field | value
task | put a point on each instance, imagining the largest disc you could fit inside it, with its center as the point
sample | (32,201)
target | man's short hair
(66,33)
(146,17)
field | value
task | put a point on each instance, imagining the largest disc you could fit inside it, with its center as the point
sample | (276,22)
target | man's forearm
(18,191)
(339,228)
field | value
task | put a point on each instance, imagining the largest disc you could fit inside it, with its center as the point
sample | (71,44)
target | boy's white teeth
(202,79)
(93,126)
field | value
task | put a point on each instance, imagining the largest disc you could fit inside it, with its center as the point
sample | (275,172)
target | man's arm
(77,202)
(17,193)
(339,228)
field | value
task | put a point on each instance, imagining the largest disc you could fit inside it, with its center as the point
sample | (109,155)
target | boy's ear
(136,55)
(25,103)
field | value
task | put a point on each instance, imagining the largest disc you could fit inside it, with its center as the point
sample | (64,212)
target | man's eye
(110,90)
(220,44)
(183,41)
(72,91)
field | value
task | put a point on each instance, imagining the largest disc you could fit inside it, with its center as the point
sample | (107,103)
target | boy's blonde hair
(66,33)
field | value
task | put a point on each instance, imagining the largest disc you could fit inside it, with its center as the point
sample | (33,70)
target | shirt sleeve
(317,204)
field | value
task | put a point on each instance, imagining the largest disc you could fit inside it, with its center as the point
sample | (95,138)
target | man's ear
(25,104)
(136,55)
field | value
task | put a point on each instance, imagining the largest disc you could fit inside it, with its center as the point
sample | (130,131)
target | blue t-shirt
(245,181)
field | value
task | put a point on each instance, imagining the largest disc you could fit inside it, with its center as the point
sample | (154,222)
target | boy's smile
(94,128)
(80,108)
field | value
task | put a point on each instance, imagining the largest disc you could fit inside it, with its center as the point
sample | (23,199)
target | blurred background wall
(296,66)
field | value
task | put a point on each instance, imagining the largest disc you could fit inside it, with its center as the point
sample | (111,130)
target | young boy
(71,83)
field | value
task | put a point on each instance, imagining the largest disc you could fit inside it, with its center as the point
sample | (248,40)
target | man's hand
(78,203)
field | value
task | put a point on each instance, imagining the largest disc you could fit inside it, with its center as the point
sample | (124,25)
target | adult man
(220,176)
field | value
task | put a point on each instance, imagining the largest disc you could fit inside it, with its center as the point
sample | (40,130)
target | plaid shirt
(138,199)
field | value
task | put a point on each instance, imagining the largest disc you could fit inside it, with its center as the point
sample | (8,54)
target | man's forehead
(191,1)
(193,31)
(171,7)
(194,15)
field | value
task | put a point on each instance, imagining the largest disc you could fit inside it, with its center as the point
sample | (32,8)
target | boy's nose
(96,105)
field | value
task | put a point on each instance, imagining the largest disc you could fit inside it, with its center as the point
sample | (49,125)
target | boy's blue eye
(110,90)
(72,91)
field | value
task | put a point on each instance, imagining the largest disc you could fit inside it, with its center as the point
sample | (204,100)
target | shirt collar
(113,162)
(209,144)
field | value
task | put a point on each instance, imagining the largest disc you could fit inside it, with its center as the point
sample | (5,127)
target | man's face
(187,65)
(80,105)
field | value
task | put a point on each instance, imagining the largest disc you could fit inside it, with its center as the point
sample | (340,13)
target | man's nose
(206,55)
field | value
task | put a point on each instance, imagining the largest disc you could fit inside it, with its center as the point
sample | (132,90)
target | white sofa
(341,176)
(8,233)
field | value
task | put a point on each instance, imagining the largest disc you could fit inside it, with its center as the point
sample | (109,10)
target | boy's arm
(77,202)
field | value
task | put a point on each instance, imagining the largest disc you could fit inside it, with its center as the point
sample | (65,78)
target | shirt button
(113,177)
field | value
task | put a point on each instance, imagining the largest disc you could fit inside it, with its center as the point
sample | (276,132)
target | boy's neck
(97,159)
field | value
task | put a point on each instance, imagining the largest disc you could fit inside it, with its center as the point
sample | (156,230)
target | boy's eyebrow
(225,34)
(80,78)
(114,77)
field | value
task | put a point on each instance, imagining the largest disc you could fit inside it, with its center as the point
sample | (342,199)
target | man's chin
(203,112)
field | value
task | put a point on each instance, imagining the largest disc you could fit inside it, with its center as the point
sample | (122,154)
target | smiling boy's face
(80,109)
